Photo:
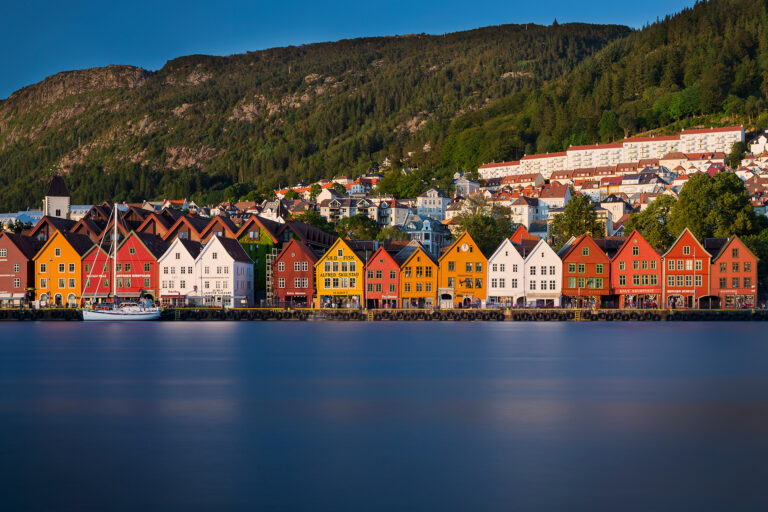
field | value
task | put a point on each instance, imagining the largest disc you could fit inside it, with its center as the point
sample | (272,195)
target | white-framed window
(304,266)
(16,267)
(297,282)
(296,266)
(62,283)
(43,268)
(165,270)
(43,283)
(3,253)
(16,282)
(305,282)
(214,256)
(281,282)
(57,251)
(281,266)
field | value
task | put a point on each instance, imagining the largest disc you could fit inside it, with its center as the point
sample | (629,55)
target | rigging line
(96,259)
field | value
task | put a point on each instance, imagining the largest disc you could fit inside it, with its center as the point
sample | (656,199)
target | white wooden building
(178,279)
(543,276)
(506,275)
(224,274)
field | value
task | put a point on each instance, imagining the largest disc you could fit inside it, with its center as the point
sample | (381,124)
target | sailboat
(115,311)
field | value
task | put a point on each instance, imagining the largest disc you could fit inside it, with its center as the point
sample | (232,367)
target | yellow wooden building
(418,277)
(339,277)
(58,269)
(462,274)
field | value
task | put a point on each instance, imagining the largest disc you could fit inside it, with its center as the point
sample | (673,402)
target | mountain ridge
(268,117)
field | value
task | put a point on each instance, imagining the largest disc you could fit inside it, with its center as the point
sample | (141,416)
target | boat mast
(114,257)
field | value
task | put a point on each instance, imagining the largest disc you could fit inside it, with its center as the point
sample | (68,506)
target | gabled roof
(271,227)
(221,220)
(309,234)
(521,234)
(154,244)
(27,245)
(346,244)
(528,249)
(163,221)
(192,247)
(194,222)
(382,252)
(686,230)
(57,188)
(635,234)
(602,244)
(505,243)
(234,249)
(409,251)
(80,243)
(719,246)
(461,239)
(298,245)
(54,222)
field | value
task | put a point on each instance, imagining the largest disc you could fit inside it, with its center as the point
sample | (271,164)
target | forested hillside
(705,66)
(213,127)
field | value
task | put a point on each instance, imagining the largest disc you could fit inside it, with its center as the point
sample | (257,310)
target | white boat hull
(107,315)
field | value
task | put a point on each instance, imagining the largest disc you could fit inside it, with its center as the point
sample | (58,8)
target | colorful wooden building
(382,279)
(58,269)
(17,273)
(419,273)
(506,278)
(586,273)
(733,273)
(340,277)
(462,276)
(293,273)
(686,272)
(543,274)
(97,275)
(137,274)
(636,274)
(179,282)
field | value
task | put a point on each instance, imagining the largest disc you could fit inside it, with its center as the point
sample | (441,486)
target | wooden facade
(636,274)
(462,276)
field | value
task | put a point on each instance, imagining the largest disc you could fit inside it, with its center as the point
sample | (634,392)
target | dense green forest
(212,128)
(706,66)
(268,118)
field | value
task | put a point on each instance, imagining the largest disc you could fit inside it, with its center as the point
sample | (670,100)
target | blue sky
(41,38)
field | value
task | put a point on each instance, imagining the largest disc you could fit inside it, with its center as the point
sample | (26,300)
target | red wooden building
(733,273)
(293,273)
(636,274)
(97,274)
(686,272)
(382,280)
(137,271)
(586,273)
(17,275)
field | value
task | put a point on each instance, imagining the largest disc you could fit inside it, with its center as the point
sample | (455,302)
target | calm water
(386,416)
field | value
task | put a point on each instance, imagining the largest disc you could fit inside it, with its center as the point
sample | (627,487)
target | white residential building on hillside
(432,203)
(545,164)
(641,148)
(178,279)
(506,275)
(498,170)
(225,274)
(596,155)
(759,144)
(710,140)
